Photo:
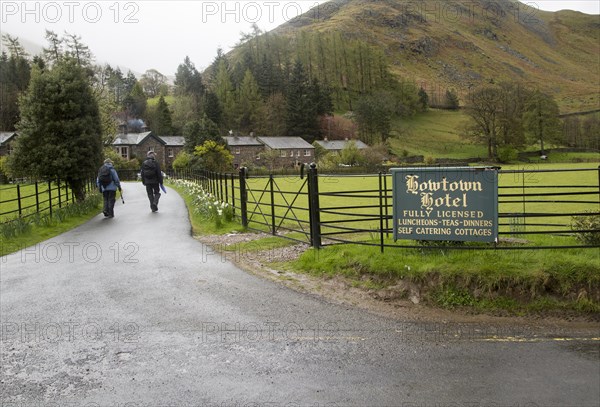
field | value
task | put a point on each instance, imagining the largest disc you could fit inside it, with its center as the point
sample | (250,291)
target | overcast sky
(158,34)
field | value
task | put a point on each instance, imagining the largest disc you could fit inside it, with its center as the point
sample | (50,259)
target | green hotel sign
(451,203)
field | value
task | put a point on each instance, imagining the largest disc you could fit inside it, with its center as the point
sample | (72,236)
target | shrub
(429,160)
(507,154)
(587,228)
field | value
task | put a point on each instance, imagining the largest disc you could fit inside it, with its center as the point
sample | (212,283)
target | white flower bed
(206,204)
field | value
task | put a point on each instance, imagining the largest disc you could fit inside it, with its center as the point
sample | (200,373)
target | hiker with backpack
(152,178)
(108,183)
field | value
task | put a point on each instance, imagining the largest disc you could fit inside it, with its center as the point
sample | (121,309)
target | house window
(238,151)
(297,153)
(170,152)
(258,157)
(283,153)
(306,153)
(123,152)
(9,149)
(151,149)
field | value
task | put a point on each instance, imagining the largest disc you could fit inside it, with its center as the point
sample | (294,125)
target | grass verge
(25,232)
(516,281)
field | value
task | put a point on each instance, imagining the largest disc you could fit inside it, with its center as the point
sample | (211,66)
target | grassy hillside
(461,44)
(435,134)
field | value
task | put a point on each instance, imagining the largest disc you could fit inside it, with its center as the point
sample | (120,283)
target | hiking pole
(122,200)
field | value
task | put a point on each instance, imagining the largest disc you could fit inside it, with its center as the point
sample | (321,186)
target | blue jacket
(115,183)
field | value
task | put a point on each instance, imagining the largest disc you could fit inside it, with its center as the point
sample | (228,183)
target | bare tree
(483,108)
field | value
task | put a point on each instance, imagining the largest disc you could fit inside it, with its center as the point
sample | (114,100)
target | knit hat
(150,154)
(108,161)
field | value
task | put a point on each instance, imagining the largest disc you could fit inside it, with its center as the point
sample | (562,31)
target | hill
(461,44)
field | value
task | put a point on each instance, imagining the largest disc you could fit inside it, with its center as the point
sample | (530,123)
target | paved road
(134,312)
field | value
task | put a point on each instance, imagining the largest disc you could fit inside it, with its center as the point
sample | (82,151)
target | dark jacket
(150,172)
(114,184)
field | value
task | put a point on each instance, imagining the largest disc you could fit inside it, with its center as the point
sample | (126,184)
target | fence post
(37,198)
(273,228)
(226,188)
(19,199)
(313,206)
(232,195)
(221,187)
(215,184)
(59,193)
(243,197)
(381,212)
(523,196)
(50,197)
(387,213)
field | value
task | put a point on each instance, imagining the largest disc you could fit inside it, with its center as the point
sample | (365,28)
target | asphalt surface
(132,311)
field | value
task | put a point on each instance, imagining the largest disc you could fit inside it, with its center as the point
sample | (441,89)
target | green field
(152,102)
(29,203)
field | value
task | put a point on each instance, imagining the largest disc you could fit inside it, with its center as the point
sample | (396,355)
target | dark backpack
(149,171)
(104,176)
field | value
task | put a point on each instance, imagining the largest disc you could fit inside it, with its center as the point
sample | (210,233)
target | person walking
(108,183)
(152,179)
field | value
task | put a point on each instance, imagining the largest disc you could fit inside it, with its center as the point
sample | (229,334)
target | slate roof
(131,139)
(233,141)
(282,143)
(341,144)
(6,135)
(173,141)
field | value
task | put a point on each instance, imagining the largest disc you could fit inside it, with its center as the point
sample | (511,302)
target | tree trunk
(78,188)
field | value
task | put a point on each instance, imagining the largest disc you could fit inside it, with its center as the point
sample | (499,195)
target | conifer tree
(15,72)
(301,120)
(63,141)
(163,124)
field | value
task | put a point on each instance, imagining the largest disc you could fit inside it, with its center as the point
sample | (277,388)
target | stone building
(6,140)
(246,151)
(290,151)
(137,145)
(173,146)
